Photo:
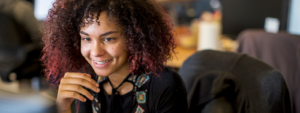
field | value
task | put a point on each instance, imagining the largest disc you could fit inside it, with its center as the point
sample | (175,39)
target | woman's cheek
(85,50)
(116,50)
(113,51)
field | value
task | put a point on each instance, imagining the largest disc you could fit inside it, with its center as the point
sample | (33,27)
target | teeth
(102,62)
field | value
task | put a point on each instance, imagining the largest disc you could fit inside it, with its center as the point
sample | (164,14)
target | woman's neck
(117,78)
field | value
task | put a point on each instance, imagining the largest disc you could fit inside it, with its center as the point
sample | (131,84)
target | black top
(163,94)
(126,101)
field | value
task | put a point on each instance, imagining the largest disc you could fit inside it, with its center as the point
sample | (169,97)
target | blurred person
(109,55)
(22,12)
(29,36)
(187,11)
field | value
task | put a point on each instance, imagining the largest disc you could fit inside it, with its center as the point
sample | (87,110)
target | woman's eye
(108,39)
(86,39)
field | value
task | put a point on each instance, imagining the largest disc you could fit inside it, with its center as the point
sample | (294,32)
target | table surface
(181,54)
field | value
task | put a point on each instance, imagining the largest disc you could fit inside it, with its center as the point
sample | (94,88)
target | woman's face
(103,47)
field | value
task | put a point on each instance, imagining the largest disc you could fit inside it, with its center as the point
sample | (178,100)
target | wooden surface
(180,57)
(182,53)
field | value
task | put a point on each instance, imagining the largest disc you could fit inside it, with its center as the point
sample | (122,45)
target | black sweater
(164,94)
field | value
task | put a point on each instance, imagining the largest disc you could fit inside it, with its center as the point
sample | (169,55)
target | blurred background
(198,25)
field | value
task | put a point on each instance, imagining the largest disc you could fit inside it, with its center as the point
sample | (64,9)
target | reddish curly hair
(146,26)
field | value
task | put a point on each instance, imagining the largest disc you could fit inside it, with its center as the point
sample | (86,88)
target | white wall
(294,17)
(41,8)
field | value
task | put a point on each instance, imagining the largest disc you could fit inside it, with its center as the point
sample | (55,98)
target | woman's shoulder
(168,93)
(169,78)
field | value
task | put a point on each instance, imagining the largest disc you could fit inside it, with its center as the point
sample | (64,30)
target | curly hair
(146,27)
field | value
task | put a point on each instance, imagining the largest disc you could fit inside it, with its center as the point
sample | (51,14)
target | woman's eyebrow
(84,33)
(107,33)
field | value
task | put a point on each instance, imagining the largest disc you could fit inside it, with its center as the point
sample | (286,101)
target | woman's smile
(101,64)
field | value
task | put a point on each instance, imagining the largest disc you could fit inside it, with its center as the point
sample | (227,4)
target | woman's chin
(102,74)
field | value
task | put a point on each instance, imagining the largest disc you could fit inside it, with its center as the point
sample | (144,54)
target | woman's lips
(101,64)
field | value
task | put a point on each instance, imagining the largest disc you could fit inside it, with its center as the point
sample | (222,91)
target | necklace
(116,104)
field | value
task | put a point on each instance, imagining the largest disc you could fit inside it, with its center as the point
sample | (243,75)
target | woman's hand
(70,88)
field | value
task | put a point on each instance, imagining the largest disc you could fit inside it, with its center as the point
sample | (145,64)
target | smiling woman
(103,47)
(109,55)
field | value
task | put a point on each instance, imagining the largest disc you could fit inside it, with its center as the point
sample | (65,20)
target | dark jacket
(224,82)
(280,50)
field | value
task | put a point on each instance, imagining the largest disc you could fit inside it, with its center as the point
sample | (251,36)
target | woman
(108,56)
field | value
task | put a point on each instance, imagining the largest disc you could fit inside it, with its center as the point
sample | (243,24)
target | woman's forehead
(104,22)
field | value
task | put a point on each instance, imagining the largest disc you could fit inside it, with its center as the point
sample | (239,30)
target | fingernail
(98,89)
(88,75)
(97,85)
(91,97)
(84,100)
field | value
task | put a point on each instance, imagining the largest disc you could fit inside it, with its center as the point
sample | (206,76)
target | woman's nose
(97,50)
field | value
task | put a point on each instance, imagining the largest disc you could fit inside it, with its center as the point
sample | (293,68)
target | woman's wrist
(68,110)
(63,108)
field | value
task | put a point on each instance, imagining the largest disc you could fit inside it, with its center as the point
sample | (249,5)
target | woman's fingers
(71,87)
(81,75)
(69,94)
(73,83)
(80,82)
(76,88)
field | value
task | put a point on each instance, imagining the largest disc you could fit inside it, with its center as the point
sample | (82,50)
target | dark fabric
(85,107)
(116,102)
(166,94)
(282,51)
(125,103)
(12,53)
(224,82)
(15,54)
